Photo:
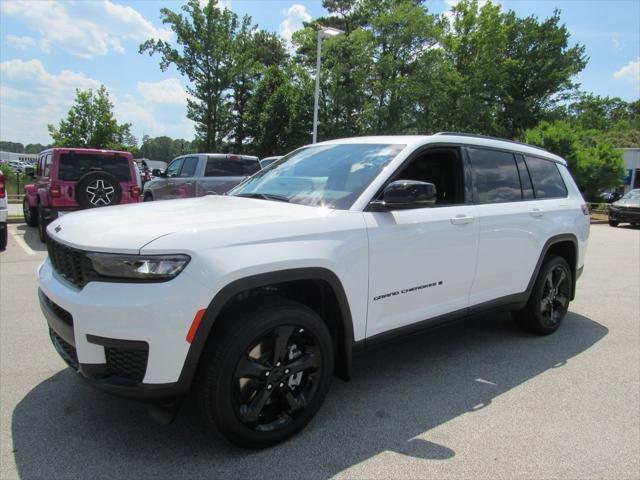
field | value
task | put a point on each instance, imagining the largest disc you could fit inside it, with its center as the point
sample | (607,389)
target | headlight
(138,267)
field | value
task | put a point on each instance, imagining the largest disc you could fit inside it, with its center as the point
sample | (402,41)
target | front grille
(126,362)
(70,263)
(61,313)
(66,350)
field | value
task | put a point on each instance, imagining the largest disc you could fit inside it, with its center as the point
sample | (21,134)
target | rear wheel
(613,223)
(265,372)
(549,299)
(4,235)
(30,213)
(147,198)
(42,225)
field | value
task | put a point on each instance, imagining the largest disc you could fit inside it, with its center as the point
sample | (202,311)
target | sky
(48,48)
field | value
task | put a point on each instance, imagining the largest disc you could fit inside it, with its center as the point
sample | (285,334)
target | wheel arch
(239,290)
(564,245)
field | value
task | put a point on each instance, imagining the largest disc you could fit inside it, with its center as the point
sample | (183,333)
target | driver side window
(441,166)
(174,168)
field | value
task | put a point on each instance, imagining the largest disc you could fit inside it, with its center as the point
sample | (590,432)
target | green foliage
(595,165)
(90,123)
(13,147)
(165,148)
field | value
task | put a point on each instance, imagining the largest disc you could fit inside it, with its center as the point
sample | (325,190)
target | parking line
(20,241)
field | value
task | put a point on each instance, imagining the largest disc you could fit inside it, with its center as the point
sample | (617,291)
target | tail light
(3,192)
(54,191)
(585,208)
(135,191)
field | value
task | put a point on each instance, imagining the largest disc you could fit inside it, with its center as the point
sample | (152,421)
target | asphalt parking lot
(478,399)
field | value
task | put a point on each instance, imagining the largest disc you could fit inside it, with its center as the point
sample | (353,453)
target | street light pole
(323,32)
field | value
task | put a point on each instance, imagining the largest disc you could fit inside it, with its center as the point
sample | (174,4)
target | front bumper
(624,215)
(126,339)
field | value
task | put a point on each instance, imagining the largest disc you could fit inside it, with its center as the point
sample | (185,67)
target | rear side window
(72,166)
(546,178)
(496,176)
(249,167)
(47,165)
(224,167)
(189,167)
(525,179)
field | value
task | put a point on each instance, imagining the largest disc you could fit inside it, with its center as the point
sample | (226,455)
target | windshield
(332,175)
(633,194)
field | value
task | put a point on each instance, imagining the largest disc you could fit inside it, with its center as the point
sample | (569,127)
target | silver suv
(199,174)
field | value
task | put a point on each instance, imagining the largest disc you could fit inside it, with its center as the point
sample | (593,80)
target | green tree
(13,147)
(35,148)
(90,123)
(595,164)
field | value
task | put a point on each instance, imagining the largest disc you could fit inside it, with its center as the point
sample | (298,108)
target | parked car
(69,179)
(4,212)
(254,299)
(626,210)
(200,174)
(266,161)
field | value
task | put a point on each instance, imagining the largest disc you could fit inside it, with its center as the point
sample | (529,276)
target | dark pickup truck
(199,174)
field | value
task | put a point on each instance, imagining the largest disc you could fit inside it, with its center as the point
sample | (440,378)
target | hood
(627,202)
(128,228)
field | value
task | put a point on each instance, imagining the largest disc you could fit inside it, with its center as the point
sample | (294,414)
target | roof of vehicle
(221,155)
(83,150)
(453,137)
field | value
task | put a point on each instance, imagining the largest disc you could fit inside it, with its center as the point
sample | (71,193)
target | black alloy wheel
(265,371)
(555,296)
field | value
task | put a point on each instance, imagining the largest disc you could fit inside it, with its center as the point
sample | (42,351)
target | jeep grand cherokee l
(69,179)
(253,300)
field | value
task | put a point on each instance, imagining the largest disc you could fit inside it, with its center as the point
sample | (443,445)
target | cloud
(221,3)
(83,29)
(169,91)
(32,97)
(21,43)
(630,72)
(294,16)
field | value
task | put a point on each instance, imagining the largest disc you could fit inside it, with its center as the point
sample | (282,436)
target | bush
(14,181)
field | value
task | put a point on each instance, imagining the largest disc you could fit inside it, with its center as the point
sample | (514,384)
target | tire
(148,198)
(613,223)
(42,225)
(4,236)
(549,300)
(283,403)
(30,213)
(98,189)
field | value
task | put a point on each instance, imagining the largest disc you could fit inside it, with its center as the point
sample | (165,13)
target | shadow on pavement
(30,235)
(63,428)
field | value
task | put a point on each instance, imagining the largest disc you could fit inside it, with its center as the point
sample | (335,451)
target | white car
(253,300)
(4,212)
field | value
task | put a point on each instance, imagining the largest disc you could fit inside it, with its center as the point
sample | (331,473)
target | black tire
(147,198)
(613,223)
(42,225)
(4,236)
(98,189)
(30,213)
(281,408)
(549,300)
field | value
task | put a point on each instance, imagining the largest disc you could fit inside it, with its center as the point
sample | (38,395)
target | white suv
(255,299)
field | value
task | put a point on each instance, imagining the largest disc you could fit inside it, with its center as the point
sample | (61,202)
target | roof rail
(487,137)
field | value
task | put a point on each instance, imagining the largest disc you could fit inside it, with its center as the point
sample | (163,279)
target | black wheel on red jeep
(4,235)
(98,189)
(42,225)
(265,372)
(30,213)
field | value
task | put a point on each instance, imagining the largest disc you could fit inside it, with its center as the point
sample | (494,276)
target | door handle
(536,212)
(461,219)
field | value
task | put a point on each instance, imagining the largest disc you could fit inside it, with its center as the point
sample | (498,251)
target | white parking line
(19,238)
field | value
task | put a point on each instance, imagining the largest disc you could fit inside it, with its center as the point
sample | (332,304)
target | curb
(15,219)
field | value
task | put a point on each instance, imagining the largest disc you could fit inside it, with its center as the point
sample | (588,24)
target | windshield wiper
(264,196)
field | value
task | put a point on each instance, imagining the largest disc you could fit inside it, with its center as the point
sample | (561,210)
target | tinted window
(496,176)
(547,182)
(74,165)
(249,167)
(223,167)
(174,168)
(47,165)
(525,179)
(189,167)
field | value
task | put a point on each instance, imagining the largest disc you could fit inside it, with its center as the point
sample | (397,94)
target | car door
(422,261)
(183,186)
(221,174)
(511,233)
(163,189)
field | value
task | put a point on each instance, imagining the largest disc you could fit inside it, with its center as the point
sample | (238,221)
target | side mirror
(30,172)
(156,172)
(406,194)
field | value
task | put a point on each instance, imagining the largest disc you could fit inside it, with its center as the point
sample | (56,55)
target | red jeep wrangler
(68,179)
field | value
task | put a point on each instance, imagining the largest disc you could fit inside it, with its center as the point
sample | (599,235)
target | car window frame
(513,153)
(555,164)
(179,159)
(195,170)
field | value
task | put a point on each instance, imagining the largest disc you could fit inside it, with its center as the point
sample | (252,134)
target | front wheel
(549,300)
(265,372)
(613,223)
